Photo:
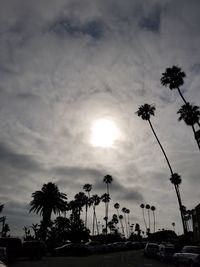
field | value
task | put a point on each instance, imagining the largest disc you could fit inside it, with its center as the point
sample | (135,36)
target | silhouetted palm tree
(108,180)
(142,206)
(81,200)
(45,201)
(124,210)
(128,212)
(106,199)
(87,188)
(173,77)
(191,116)
(153,208)
(145,111)
(95,200)
(148,208)
(117,206)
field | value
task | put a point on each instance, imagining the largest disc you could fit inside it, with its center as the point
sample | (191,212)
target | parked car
(189,255)
(70,249)
(151,250)
(33,249)
(166,252)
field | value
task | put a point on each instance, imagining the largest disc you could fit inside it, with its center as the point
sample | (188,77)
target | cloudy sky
(65,65)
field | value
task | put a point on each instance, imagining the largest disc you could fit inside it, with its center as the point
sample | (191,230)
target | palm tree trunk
(93,221)
(144,219)
(126,225)
(96,222)
(170,168)
(149,220)
(86,209)
(181,95)
(198,142)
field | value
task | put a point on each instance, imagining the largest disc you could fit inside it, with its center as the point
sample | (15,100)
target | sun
(104,133)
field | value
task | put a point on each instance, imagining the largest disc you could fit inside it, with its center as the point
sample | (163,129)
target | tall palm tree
(191,116)
(148,209)
(81,200)
(45,201)
(107,180)
(128,212)
(153,208)
(124,210)
(142,206)
(87,188)
(106,199)
(174,78)
(95,200)
(145,111)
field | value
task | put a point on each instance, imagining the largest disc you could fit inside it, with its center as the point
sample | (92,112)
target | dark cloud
(17,160)
(151,21)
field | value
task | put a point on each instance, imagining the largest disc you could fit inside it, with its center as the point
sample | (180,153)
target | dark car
(151,250)
(166,252)
(189,256)
(72,249)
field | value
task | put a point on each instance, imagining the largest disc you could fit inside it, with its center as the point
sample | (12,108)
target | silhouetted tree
(145,111)
(80,200)
(173,225)
(106,199)
(95,200)
(173,77)
(121,221)
(191,116)
(45,201)
(117,206)
(142,206)
(148,209)
(87,188)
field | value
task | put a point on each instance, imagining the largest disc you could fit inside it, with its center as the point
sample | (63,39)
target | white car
(189,256)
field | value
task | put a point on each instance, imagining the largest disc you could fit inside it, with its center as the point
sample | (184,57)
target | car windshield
(192,250)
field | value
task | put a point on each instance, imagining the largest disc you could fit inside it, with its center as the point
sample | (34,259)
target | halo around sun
(104,133)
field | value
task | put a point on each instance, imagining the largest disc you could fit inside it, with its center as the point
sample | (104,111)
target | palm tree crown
(49,197)
(175,179)
(145,111)
(189,113)
(87,187)
(116,206)
(173,77)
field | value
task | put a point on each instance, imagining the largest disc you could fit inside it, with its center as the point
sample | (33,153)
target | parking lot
(132,258)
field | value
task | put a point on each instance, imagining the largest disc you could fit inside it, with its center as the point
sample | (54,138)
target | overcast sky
(65,64)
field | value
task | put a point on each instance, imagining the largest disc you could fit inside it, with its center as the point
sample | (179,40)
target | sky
(66,64)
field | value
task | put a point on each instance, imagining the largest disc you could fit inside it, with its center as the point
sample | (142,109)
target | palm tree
(173,77)
(117,206)
(173,225)
(191,116)
(95,200)
(81,200)
(108,180)
(153,208)
(87,188)
(145,111)
(128,212)
(124,210)
(106,199)
(148,208)
(142,207)
(45,201)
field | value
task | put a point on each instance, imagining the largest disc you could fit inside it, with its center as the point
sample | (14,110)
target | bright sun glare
(104,133)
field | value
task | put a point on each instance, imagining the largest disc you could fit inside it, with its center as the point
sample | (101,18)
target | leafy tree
(145,112)
(45,201)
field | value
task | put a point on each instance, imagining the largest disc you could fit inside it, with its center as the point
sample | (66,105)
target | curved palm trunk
(170,168)
(198,142)
(181,95)
(96,222)
(149,220)
(93,221)
(122,226)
